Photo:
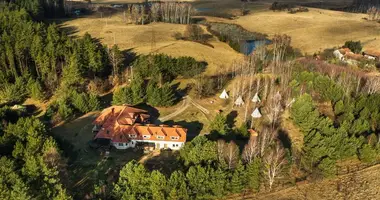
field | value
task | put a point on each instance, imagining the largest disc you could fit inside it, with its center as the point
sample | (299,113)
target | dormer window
(132,135)
(146,136)
(174,137)
(108,131)
(160,137)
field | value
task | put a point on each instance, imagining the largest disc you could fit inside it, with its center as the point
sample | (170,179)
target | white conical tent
(239,101)
(256,98)
(224,95)
(256,113)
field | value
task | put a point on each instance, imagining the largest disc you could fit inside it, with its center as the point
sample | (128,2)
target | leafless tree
(372,85)
(274,161)
(251,70)
(155,11)
(280,44)
(273,109)
(265,139)
(231,155)
(135,13)
(251,149)
(261,51)
(373,13)
(221,146)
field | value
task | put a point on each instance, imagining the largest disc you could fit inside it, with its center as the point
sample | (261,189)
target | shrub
(178,36)
(355,47)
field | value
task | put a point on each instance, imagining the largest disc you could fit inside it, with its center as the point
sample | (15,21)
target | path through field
(187,101)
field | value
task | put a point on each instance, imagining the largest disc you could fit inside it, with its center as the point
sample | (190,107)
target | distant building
(126,127)
(372,54)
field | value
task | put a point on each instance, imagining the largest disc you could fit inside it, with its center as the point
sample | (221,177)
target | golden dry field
(314,30)
(139,39)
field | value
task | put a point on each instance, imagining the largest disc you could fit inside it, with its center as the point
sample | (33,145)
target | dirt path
(187,101)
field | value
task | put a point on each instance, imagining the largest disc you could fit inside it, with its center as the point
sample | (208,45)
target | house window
(108,132)
(160,137)
(121,144)
(146,136)
(132,135)
(174,137)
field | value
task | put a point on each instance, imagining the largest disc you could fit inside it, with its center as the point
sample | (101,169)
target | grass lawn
(88,166)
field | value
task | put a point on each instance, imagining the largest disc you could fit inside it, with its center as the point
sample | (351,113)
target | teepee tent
(256,113)
(224,95)
(239,101)
(256,98)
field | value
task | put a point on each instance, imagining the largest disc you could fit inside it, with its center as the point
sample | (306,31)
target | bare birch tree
(265,139)
(221,146)
(372,85)
(251,149)
(274,161)
(280,44)
(155,11)
(273,109)
(231,155)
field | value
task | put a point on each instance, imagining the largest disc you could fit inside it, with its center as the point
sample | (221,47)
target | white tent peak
(256,113)
(239,101)
(256,98)
(224,95)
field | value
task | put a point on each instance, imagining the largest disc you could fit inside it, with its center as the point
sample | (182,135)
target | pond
(248,46)
(203,9)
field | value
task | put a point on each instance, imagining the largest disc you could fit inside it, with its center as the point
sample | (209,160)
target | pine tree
(253,174)
(138,92)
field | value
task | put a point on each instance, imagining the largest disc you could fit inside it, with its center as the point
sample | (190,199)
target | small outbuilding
(224,95)
(239,101)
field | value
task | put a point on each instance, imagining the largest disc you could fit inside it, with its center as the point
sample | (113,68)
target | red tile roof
(117,127)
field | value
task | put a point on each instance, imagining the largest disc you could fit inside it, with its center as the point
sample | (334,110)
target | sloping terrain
(315,30)
(156,36)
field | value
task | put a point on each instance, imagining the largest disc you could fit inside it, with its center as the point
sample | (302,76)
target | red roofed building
(127,126)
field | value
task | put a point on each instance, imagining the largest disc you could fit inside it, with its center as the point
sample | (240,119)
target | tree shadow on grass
(231,118)
(193,128)
(154,113)
(285,140)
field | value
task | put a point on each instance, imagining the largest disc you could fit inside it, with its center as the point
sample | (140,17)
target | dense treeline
(169,12)
(166,68)
(207,173)
(31,166)
(352,131)
(158,72)
(41,8)
(43,59)
(139,92)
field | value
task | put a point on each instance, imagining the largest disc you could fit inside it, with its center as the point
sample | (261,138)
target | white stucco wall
(160,144)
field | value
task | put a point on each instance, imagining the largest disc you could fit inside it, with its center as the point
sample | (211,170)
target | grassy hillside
(138,38)
(314,30)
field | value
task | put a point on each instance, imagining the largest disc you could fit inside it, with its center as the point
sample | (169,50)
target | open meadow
(142,39)
(312,31)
